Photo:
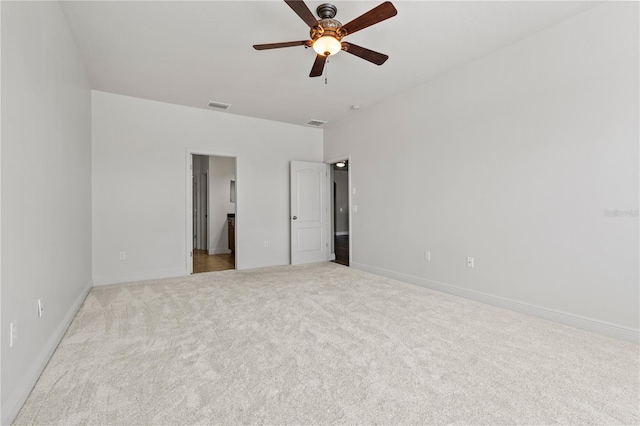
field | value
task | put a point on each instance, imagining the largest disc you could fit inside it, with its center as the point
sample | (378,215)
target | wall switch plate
(355,209)
(122,255)
(469,262)
(354,191)
(427,255)
(13,333)
(266,243)
(40,308)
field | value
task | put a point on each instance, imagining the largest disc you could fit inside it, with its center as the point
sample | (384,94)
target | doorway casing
(190,152)
(346,157)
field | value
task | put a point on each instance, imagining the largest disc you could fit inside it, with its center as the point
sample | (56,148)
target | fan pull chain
(326,72)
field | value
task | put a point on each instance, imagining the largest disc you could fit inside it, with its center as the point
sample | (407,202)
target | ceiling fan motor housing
(326,27)
(326,10)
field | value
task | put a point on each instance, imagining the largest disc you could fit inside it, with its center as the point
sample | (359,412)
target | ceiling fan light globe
(327,45)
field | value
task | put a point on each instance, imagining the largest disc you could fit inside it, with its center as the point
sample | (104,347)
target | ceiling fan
(327,33)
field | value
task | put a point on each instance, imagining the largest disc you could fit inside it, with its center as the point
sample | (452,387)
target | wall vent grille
(315,123)
(219,105)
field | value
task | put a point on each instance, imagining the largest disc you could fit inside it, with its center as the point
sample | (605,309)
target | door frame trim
(190,152)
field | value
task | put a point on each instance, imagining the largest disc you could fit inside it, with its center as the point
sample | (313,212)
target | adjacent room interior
(340,222)
(214,213)
(487,211)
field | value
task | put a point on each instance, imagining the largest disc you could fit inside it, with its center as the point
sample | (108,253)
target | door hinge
(191,166)
(191,254)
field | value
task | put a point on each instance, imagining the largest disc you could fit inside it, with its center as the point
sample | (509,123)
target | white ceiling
(189,53)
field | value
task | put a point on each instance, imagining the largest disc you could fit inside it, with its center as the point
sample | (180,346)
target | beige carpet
(319,344)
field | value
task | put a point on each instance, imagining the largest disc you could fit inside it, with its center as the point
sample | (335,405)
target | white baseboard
(219,251)
(341,233)
(16,400)
(143,276)
(256,265)
(589,324)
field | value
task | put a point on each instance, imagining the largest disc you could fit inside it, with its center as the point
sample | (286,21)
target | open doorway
(340,195)
(213,213)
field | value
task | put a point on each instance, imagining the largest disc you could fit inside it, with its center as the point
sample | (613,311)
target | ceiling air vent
(315,123)
(219,105)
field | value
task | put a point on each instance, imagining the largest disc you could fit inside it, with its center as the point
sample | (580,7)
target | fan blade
(366,54)
(279,45)
(303,12)
(375,15)
(318,66)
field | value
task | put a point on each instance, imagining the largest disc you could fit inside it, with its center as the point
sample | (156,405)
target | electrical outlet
(427,255)
(40,308)
(469,262)
(122,255)
(13,333)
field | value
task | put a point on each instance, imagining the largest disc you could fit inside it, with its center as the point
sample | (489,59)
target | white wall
(222,170)
(139,181)
(512,159)
(201,175)
(46,190)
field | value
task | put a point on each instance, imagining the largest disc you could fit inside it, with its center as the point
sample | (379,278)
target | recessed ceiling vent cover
(315,123)
(219,105)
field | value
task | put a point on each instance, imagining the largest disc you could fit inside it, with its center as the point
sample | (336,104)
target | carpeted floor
(323,343)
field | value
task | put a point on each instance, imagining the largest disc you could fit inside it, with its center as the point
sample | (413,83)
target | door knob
(295,217)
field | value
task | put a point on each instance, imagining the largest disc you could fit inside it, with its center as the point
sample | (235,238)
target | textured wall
(46,190)
(140,189)
(514,159)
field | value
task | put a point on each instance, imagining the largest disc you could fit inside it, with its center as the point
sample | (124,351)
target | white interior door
(310,225)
